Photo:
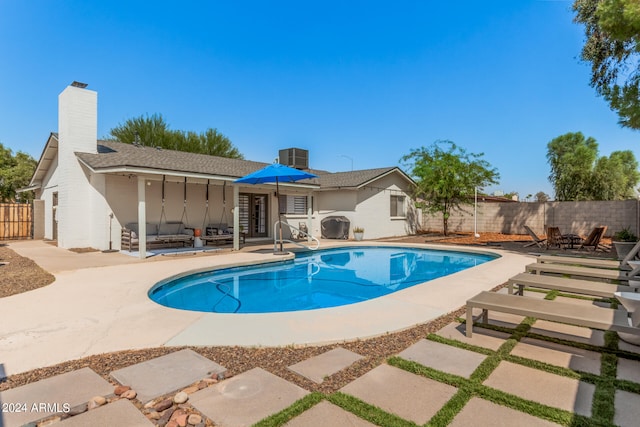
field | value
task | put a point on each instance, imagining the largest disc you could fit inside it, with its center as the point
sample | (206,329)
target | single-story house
(88,190)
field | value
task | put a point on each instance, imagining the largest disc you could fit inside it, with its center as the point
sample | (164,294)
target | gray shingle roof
(118,155)
(112,154)
(352,179)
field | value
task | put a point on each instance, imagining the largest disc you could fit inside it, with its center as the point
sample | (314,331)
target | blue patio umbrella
(275,173)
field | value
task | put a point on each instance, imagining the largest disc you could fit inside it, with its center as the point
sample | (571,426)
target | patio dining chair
(536,240)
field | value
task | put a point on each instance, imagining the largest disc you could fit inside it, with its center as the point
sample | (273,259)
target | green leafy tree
(15,173)
(541,196)
(154,131)
(577,173)
(571,158)
(447,176)
(612,45)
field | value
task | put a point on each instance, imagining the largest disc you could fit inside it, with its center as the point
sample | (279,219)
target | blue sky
(361,81)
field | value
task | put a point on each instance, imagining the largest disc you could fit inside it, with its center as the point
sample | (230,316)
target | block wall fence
(570,217)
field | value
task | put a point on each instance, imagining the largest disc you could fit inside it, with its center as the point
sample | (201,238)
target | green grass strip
(298,407)
(602,408)
(459,344)
(552,295)
(448,412)
(425,371)
(611,340)
(627,385)
(552,369)
(368,412)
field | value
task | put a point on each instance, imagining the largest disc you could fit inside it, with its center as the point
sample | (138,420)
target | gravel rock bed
(20,274)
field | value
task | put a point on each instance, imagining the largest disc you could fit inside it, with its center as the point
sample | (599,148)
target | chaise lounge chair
(585,272)
(556,311)
(536,240)
(562,284)
(575,260)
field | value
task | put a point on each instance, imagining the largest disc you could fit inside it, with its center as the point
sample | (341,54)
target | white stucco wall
(49,186)
(369,208)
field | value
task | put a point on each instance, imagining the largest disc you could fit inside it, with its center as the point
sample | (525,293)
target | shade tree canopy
(612,47)
(15,173)
(578,173)
(447,177)
(154,131)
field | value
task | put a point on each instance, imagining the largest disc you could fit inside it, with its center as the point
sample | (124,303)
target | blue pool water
(318,279)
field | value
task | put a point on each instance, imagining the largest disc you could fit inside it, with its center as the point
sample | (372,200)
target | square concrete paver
(247,398)
(325,364)
(119,413)
(480,412)
(407,395)
(486,338)
(73,388)
(542,387)
(628,370)
(443,357)
(627,409)
(327,414)
(569,332)
(559,355)
(166,374)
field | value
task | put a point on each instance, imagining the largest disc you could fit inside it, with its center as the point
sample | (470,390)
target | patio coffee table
(571,240)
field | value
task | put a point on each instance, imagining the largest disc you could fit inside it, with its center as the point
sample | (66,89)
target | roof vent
(295,158)
(79,84)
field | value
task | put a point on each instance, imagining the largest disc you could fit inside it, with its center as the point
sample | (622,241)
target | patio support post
(142,218)
(309,215)
(236,217)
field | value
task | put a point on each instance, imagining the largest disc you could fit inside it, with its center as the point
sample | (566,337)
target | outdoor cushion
(152,229)
(170,228)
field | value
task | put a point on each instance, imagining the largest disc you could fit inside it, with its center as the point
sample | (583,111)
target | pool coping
(94,310)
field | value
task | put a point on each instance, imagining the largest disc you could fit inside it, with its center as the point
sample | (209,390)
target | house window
(293,205)
(397,206)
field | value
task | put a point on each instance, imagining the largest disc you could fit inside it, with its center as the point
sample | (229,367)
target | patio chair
(555,238)
(536,240)
(593,240)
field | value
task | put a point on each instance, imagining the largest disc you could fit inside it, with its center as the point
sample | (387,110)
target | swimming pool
(313,280)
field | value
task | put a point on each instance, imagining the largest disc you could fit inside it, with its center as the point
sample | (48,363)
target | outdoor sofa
(165,235)
(219,233)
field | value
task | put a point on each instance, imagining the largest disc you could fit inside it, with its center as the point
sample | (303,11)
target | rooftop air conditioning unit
(295,158)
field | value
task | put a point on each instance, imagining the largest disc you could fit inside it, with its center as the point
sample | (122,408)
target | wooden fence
(16,221)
